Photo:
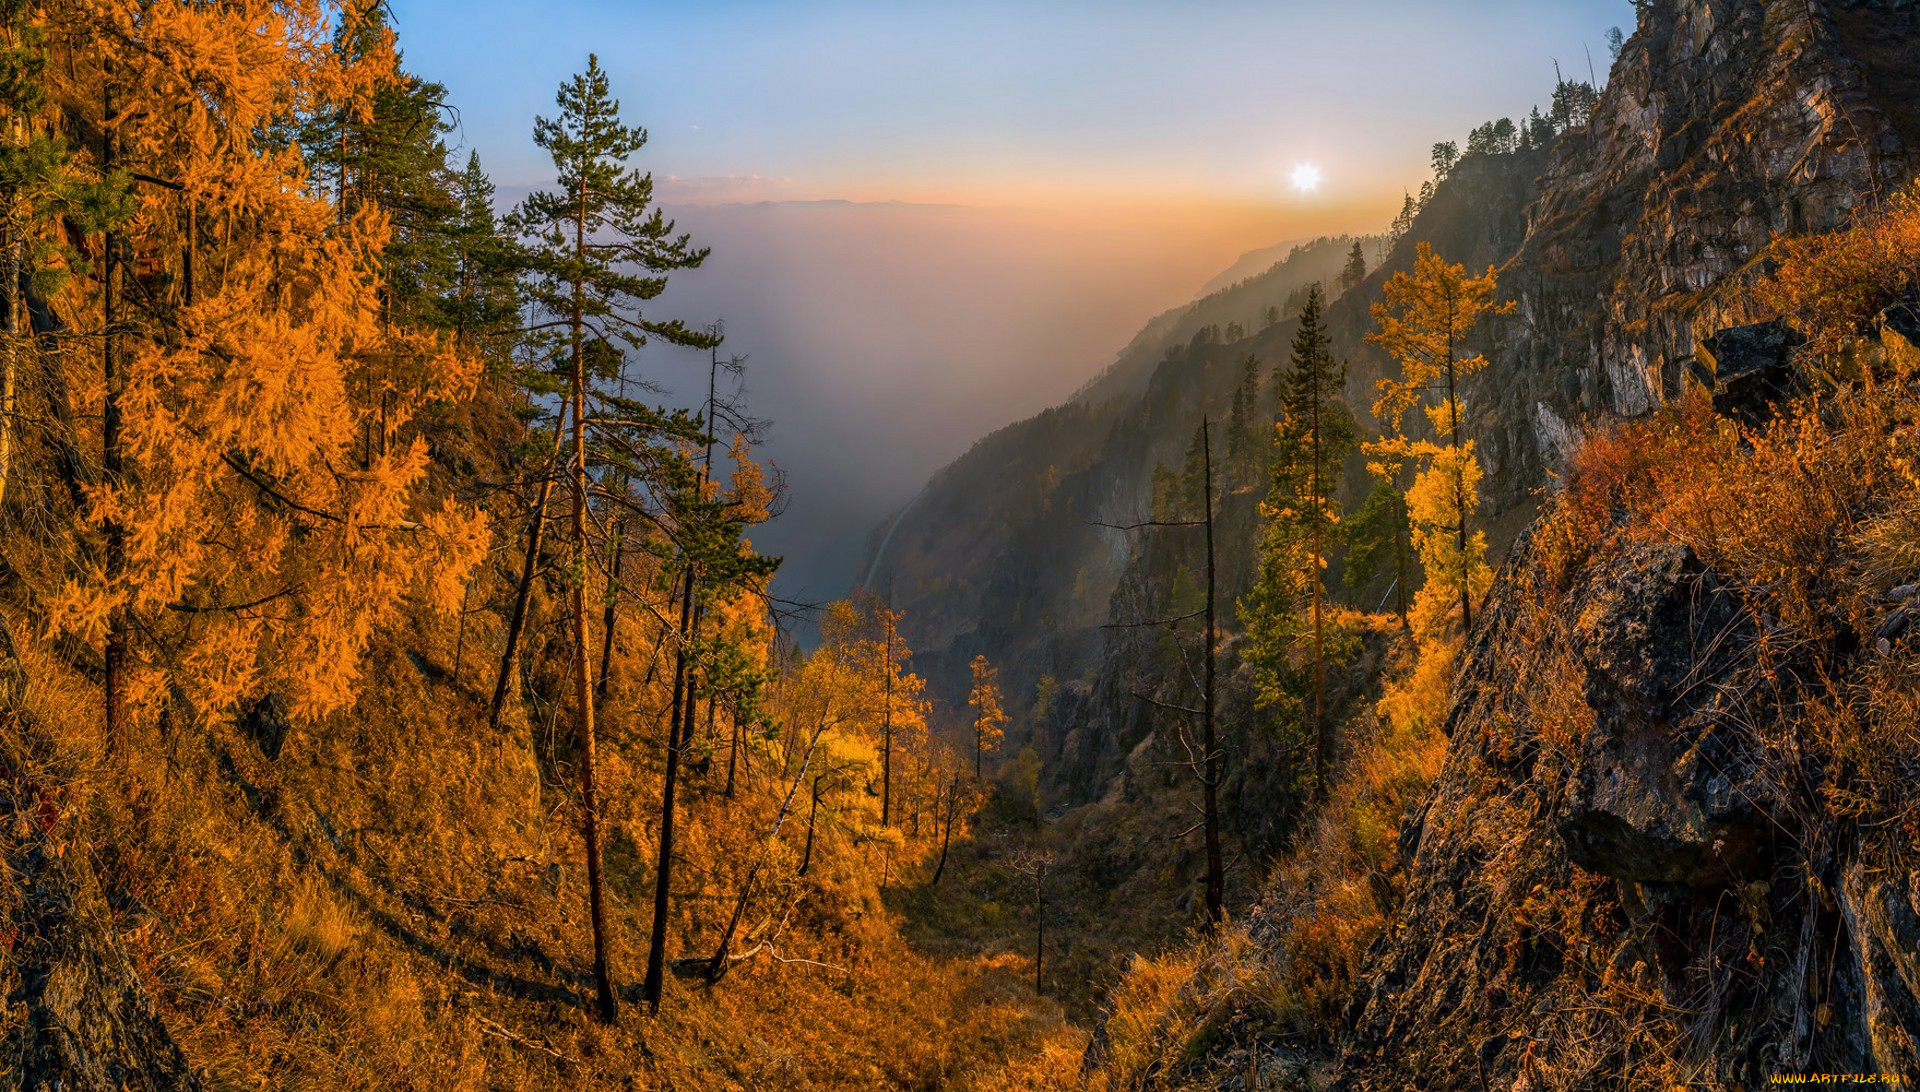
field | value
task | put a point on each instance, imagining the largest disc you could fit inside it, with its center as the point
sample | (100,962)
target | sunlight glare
(1306,178)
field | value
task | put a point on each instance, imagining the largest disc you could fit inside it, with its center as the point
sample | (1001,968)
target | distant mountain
(999,553)
(1228,300)
(1251,264)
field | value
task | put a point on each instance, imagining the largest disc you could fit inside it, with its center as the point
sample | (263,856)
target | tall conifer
(597,250)
(1311,443)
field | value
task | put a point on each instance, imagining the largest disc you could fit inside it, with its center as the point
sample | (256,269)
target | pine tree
(597,251)
(1403,223)
(485,303)
(1245,422)
(1355,270)
(1424,323)
(1302,529)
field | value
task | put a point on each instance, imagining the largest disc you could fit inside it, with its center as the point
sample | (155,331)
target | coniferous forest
(1475,648)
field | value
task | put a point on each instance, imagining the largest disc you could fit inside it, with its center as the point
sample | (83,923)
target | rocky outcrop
(1723,124)
(1617,880)
(1748,368)
(77,1018)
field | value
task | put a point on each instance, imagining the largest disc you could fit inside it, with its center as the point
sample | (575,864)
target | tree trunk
(583,667)
(523,598)
(1216,871)
(1459,494)
(608,616)
(657,942)
(718,965)
(1039,923)
(946,839)
(1400,557)
(1322,745)
(813,811)
(886,731)
(9,380)
(460,642)
(733,754)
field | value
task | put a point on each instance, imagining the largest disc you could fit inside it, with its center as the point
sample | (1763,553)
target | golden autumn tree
(863,634)
(1424,322)
(227,542)
(989,719)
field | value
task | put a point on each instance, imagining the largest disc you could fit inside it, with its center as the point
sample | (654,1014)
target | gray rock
(1664,786)
(1752,368)
(267,721)
(87,1024)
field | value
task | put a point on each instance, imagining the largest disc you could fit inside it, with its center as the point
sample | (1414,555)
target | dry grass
(396,902)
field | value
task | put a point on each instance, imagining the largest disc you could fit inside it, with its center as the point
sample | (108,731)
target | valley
(1472,651)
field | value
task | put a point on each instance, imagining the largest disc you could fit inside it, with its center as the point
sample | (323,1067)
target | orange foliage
(267,532)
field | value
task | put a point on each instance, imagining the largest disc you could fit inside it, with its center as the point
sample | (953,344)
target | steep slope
(1671,842)
(1626,244)
(1672,838)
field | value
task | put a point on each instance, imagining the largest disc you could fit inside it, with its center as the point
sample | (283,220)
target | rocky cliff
(1724,123)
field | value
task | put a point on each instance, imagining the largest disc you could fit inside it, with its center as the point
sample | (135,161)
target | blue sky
(1114,157)
(1010,103)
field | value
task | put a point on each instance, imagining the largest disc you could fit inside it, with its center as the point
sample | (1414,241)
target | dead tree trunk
(1210,781)
(946,838)
(719,964)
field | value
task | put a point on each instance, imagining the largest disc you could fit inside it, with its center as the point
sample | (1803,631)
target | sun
(1306,178)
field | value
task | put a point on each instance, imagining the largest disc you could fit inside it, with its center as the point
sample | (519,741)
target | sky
(929,220)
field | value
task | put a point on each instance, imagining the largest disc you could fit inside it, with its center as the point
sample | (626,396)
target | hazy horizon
(966,214)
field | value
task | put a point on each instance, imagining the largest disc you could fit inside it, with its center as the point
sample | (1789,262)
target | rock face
(77,1019)
(1609,885)
(1724,123)
(1748,368)
(1663,788)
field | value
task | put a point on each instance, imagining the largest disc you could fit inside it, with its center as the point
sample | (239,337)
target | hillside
(392,696)
(998,554)
(1664,842)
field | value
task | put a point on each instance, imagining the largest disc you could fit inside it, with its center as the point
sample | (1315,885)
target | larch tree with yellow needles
(989,719)
(227,542)
(1425,322)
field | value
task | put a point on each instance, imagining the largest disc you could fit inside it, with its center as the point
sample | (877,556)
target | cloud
(724,188)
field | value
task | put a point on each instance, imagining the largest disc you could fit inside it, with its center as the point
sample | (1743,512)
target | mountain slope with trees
(389,693)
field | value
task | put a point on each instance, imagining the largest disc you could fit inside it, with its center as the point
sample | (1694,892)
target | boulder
(79,1018)
(1882,911)
(1898,330)
(1665,787)
(1751,366)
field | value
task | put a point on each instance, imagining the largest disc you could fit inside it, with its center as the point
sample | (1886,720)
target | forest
(1472,655)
